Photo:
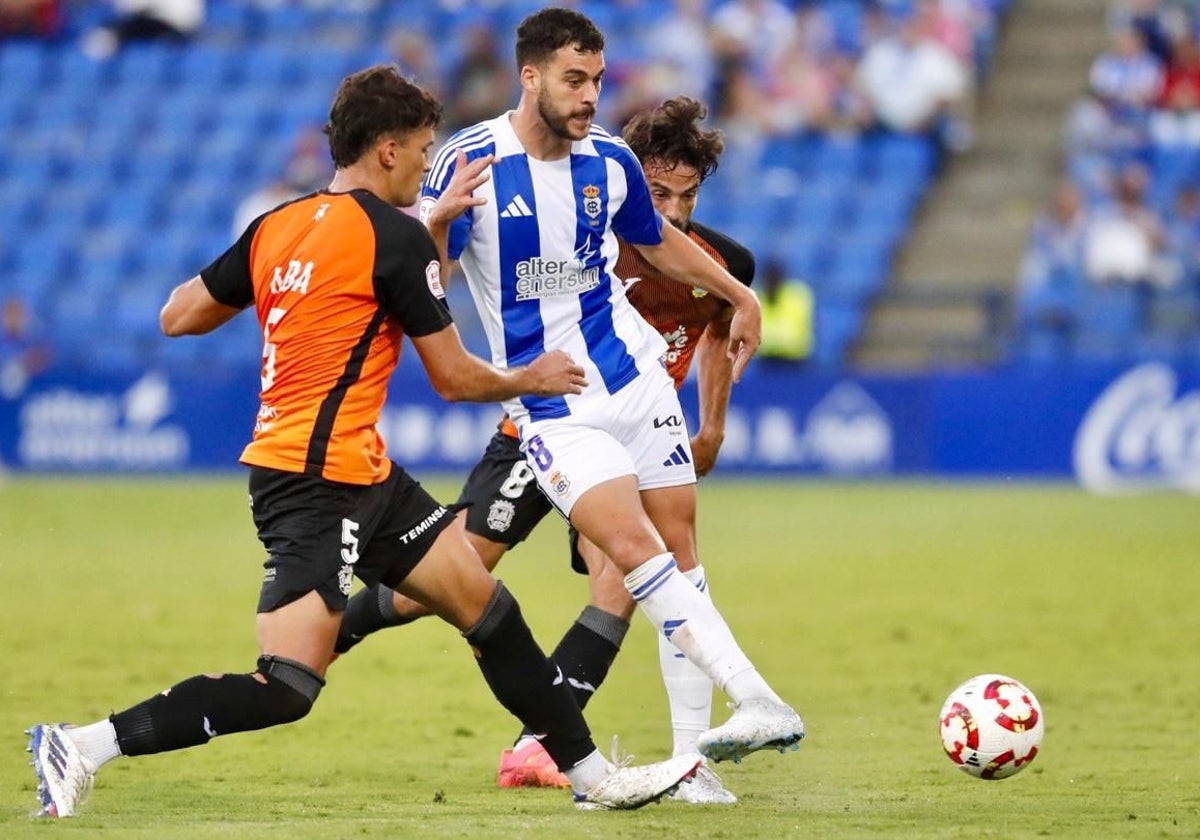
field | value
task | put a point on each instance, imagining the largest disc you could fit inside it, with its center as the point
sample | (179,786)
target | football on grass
(992,726)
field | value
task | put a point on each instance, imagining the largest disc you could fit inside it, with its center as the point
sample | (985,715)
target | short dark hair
(546,32)
(671,134)
(372,103)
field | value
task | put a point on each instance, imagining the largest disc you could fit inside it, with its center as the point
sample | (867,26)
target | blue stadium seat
(843,158)
(23,64)
(837,323)
(1109,322)
(902,157)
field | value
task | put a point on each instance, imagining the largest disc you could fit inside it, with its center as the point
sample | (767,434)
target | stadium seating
(119,178)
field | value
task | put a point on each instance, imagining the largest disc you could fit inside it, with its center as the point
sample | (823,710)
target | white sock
(587,773)
(689,690)
(692,623)
(96,741)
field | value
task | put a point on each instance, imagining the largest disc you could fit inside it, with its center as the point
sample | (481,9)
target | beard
(559,123)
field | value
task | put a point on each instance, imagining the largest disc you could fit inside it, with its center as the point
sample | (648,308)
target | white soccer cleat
(65,776)
(626,788)
(705,788)
(756,724)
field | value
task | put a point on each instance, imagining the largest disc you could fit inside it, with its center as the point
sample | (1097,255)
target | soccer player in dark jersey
(504,504)
(337,279)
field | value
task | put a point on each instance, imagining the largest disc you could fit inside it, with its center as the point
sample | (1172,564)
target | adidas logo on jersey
(516,209)
(679,457)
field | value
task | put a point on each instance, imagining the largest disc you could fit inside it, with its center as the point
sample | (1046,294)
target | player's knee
(293,687)
(500,611)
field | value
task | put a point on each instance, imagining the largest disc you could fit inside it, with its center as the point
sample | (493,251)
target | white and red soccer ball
(992,726)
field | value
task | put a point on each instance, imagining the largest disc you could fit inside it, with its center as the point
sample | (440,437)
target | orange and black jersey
(678,311)
(337,279)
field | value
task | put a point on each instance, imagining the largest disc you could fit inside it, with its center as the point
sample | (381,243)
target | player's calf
(202,707)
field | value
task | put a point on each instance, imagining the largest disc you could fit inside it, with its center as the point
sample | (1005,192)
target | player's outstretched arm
(459,376)
(714,378)
(683,260)
(192,310)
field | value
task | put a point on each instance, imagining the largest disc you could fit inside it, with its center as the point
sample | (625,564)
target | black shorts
(320,534)
(502,499)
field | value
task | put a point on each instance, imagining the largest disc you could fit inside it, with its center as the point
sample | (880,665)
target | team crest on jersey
(559,482)
(500,515)
(591,202)
(433,279)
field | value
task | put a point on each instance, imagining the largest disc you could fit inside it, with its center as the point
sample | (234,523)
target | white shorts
(637,431)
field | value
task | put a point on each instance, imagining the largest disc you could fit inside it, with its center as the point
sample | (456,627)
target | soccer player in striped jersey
(504,505)
(337,279)
(551,193)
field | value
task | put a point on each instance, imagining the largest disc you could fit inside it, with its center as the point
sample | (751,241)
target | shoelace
(617,760)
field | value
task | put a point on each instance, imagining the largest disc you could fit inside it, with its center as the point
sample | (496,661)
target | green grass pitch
(864,604)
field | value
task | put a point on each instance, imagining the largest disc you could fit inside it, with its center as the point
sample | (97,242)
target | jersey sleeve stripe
(318,443)
(468,140)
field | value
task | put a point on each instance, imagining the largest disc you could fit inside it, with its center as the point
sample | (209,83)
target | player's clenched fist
(554,374)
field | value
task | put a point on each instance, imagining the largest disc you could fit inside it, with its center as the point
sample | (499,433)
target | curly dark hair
(372,103)
(544,33)
(671,135)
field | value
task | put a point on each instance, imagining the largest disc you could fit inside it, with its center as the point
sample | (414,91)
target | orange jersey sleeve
(678,311)
(336,279)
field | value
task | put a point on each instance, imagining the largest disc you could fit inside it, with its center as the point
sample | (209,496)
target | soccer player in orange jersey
(337,279)
(504,504)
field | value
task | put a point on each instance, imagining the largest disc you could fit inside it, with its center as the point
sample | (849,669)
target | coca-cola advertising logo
(1140,435)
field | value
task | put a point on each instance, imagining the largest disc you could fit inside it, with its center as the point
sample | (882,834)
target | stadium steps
(961,260)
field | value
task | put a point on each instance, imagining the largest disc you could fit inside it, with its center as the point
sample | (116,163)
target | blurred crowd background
(137,138)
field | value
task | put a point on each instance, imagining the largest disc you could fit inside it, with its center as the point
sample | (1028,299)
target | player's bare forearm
(714,375)
(460,376)
(191,310)
(683,260)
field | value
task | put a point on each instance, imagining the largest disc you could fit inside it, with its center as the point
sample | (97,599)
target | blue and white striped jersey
(538,257)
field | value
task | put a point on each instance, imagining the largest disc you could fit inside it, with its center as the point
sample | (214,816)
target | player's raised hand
(745,333)
(459,193)
(554,374)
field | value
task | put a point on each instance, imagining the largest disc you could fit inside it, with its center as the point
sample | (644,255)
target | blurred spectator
(1126,240)
(1158,24)
(1176,119)
(30,19)
(1183,235)
(787,316)
(761,30)
(914,83)
(1052,278)
(678,45)
(412,52)
(23,352)
(847,109)
(145,20)
(309,169)
(480,81)
(1127,79)
(949,25)
(1096,145)
(798,93)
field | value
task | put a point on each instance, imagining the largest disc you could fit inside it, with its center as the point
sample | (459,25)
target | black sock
(587,651)
(202,707)
(370,610)
(526,682)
